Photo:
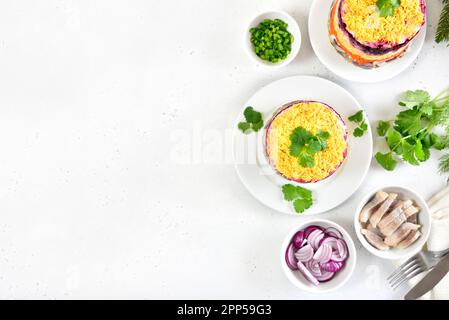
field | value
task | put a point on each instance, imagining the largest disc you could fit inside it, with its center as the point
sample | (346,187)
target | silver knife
(430,280)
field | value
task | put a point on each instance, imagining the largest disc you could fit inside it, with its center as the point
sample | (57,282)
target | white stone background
(93,204)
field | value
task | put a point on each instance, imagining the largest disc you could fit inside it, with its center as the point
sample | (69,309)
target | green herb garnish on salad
(304,145)
(301,197)
(359,119)
(271,40)
(413,133)
(387,7)
(253,121)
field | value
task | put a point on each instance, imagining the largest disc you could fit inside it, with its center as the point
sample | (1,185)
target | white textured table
(110,181)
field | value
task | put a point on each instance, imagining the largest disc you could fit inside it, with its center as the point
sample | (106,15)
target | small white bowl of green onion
(273,39)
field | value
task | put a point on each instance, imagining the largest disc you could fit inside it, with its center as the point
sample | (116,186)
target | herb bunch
(359,119)
(412,135)
(304,145)
(253,121)
(301,197)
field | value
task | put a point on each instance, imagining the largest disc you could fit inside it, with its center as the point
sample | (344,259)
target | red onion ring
(315,238)
(310,229)
(306,273)
(290,258)
(305,253)
(298,239)
(332,266)
(333,233)
(323,254)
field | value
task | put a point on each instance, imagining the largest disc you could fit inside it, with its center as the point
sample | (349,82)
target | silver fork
(423,261)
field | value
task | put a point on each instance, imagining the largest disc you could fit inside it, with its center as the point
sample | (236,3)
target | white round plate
(258,176)
(319,37)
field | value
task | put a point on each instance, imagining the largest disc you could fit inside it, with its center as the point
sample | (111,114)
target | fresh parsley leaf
(257,126)
(363,126)
(413,99)
(291,192)
(300,136)
(409,121)
(394,140)
(387,7)
(253,121)
(306,161)
(322,137)
(295,149)
(357,118)
(439,142)
(252,116)
(420,151)
(302,205)
(304,145)
(382,128)
(244,126)
(301,197)
(386,160)
(427,108)
(358,132)
(323,134)
(409,154)
(314,147)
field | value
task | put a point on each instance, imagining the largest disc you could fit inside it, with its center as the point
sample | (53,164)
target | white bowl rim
(310,288)
(390,254)
(293,53)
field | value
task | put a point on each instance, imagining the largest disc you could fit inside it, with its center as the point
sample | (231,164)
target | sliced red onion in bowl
(332,266)
(310,229)
(306,273)
(329,240)
(341,254)
(298,239)
(333,233)
(290,258)
(315,238)
(323,254)
(305,253)
(314,267)
(318,253)
(325,276)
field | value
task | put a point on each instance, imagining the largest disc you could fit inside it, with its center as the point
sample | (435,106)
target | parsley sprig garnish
(304,145)
(301,197)
(387,7)
(359,119)
(412,135)
(253,121)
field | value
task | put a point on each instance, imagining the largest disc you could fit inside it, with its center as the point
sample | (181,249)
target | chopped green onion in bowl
(271,40)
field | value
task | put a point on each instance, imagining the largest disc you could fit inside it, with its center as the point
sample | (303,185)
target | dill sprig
(444,164)
(442,33)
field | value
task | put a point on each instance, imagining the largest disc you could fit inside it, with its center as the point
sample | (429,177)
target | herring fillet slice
(374,240)
(400,234)
(378,198)
(393,220)
(411,211)
(377,216)
(409,240)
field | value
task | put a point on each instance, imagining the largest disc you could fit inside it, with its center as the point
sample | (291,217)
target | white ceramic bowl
(340,278)
(293,28)
(423,217)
